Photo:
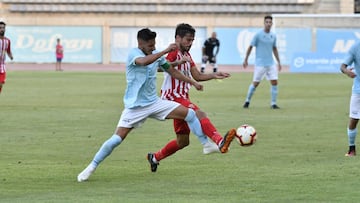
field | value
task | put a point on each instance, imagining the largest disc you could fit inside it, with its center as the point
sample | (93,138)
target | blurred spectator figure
(210,50)
(59,55)
(4,49)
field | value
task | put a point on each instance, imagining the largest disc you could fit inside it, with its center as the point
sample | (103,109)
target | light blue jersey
(141,80)
(264,43)
(354,57)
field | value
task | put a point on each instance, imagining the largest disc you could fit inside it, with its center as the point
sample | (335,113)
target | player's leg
(2,80)
(259,73)
(60,69)
(57,64)
(195,126)
(203,63)
(352,128)
(351,133)
(213,63)
(272,75)
(181,130)
(105,150)
(137,116)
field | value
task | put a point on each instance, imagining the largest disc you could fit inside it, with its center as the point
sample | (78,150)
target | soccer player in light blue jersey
(141,100)
(265,43)
(353,57)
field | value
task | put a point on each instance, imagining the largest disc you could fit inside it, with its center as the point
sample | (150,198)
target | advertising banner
(124,38)
(234,43)
(36,44)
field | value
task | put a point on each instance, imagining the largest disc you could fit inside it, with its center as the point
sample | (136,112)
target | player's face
(2,30)
(268,23)
(185,42)
(213,35)
(147,46)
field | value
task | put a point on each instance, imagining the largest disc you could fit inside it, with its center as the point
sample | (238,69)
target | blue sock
(106,149)
(250,93)
(274,94)
(351,136)
(195,126)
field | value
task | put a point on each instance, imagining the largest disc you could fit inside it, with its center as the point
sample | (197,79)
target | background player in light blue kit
(265,43)
(354,113)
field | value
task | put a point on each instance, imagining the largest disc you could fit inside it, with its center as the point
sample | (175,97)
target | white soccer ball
(246,135)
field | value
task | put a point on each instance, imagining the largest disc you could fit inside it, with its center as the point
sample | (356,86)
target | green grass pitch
(52,124)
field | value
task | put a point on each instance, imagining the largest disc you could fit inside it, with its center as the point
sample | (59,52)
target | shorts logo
(127,120)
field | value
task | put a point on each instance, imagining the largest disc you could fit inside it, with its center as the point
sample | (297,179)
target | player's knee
(183,142)
(200,114)
(190,115)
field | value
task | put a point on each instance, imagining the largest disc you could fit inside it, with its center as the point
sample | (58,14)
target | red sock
(210,130)
(0,89)
(169,149)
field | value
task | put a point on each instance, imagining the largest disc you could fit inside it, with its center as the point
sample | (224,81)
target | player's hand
(350,72)
(221,75)
(171,47)
(198,86)
(245,64)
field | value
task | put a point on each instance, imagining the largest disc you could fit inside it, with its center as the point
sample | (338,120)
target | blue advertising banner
(315,62)
(124,38)
(36,44)
(235,41)
(336,40)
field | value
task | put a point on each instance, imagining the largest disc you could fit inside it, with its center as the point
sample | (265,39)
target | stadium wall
(116,31)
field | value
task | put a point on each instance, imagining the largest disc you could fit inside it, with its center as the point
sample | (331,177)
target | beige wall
(108,20)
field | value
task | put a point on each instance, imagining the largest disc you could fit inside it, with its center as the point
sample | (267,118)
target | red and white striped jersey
(4,49)
(173,88)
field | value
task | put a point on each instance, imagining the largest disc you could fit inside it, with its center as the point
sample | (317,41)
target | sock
(250,93)
(169,149)
(215,68)
(195,126)
(0,88)
(106,149)
(351,136)
(274,93)
(210,130)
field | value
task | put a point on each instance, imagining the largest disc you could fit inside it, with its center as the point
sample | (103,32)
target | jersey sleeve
(192,63)
(275,41)
(350,56)
(164,64)
(171,56)
(8,50)
(254,40)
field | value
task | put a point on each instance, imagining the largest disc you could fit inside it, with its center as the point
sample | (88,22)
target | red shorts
(180,126)
(2,77)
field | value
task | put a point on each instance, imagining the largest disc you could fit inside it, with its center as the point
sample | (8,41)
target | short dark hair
(268,17)
(2,23)
(146,34)
(183,29)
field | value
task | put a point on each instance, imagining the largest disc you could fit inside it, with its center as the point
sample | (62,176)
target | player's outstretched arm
(198,76)
(151,58)
(178,75)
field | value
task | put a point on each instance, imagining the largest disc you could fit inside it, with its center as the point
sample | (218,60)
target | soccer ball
(246,135)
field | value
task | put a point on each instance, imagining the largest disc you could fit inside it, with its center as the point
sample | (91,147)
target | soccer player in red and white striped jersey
(4,49)
(178,91)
